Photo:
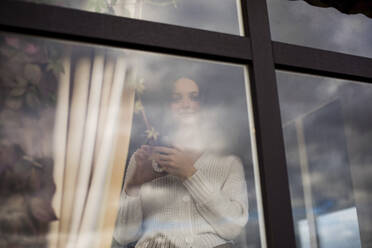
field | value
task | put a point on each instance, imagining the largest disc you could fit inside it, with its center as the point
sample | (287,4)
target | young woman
(200,198)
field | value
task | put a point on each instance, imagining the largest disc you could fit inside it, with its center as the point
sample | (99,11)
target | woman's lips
(186,113)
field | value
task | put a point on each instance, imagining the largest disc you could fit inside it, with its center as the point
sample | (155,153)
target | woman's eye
(176,98)
(195,97)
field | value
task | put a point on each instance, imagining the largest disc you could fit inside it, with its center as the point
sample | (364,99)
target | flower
(31,49)
(12,41)
(140,86)
(152,134)
(138,106)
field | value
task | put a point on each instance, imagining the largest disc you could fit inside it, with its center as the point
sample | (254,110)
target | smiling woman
(198,199)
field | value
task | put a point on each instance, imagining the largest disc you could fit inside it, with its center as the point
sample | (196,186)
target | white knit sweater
(206,210)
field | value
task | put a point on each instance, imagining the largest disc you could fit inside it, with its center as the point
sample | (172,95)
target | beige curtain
(91,140)
(92,131)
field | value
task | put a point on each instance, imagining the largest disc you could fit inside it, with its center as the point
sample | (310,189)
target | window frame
(256,50)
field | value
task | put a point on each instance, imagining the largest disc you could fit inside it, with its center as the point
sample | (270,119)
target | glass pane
(104,147)
(297,22)
(219,16)
(327,135)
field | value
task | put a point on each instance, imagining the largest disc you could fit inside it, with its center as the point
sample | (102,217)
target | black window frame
(256,49)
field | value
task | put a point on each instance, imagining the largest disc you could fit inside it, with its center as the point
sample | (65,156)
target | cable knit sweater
(208,209)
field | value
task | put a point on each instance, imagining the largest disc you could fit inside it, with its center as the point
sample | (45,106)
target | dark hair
(168,89)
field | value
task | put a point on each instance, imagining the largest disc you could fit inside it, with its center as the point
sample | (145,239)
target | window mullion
(270,144)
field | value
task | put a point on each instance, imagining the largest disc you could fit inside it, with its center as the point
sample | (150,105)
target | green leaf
(42,209)
(59,67)
(7,78)
(13,103)
(21,81)
(52,52)
(89,5)
(32,161)
(52,98)
(175,4)
(99,5)
(140,86)
(35,180)
(138,106)
(9,119)
(8,51)
(19,58)
(32,100)
(55,67)
(50,66)
(32,72)
(17,91)
(22,167)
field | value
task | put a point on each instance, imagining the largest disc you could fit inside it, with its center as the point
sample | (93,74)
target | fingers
(166,164)
(165,150)
(177,148)
(164,158)
(146,148)
(171,170)
(160,159)
(140,154)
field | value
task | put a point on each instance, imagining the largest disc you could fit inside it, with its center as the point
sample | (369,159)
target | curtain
(91,139)
(92,131)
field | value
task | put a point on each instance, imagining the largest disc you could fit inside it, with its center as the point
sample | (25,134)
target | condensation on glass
(327,132)
(297,22)
(77,120)
(220,16)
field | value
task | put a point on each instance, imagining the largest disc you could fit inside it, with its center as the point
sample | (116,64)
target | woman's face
(185,105)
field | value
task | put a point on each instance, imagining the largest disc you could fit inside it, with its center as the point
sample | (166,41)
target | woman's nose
(186,103)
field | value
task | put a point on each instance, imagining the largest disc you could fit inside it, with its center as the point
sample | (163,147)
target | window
(324,132)
(28,27)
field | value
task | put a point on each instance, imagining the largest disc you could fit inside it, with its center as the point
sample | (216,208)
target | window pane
(219,16)
(327,134)
(104,147)
(297,22)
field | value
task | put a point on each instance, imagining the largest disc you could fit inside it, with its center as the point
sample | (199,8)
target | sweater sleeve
(225,208)
(129,220)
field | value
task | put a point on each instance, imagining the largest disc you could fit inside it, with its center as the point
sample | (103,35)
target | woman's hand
(176,161)
(143,171)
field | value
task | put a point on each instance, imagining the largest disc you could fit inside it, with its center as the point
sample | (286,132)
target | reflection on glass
(298,22)
(337,229)
(105,147)
(326,132)
(220,16)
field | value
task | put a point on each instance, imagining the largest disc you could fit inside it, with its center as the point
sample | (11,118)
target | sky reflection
(300,23)
(331,116)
